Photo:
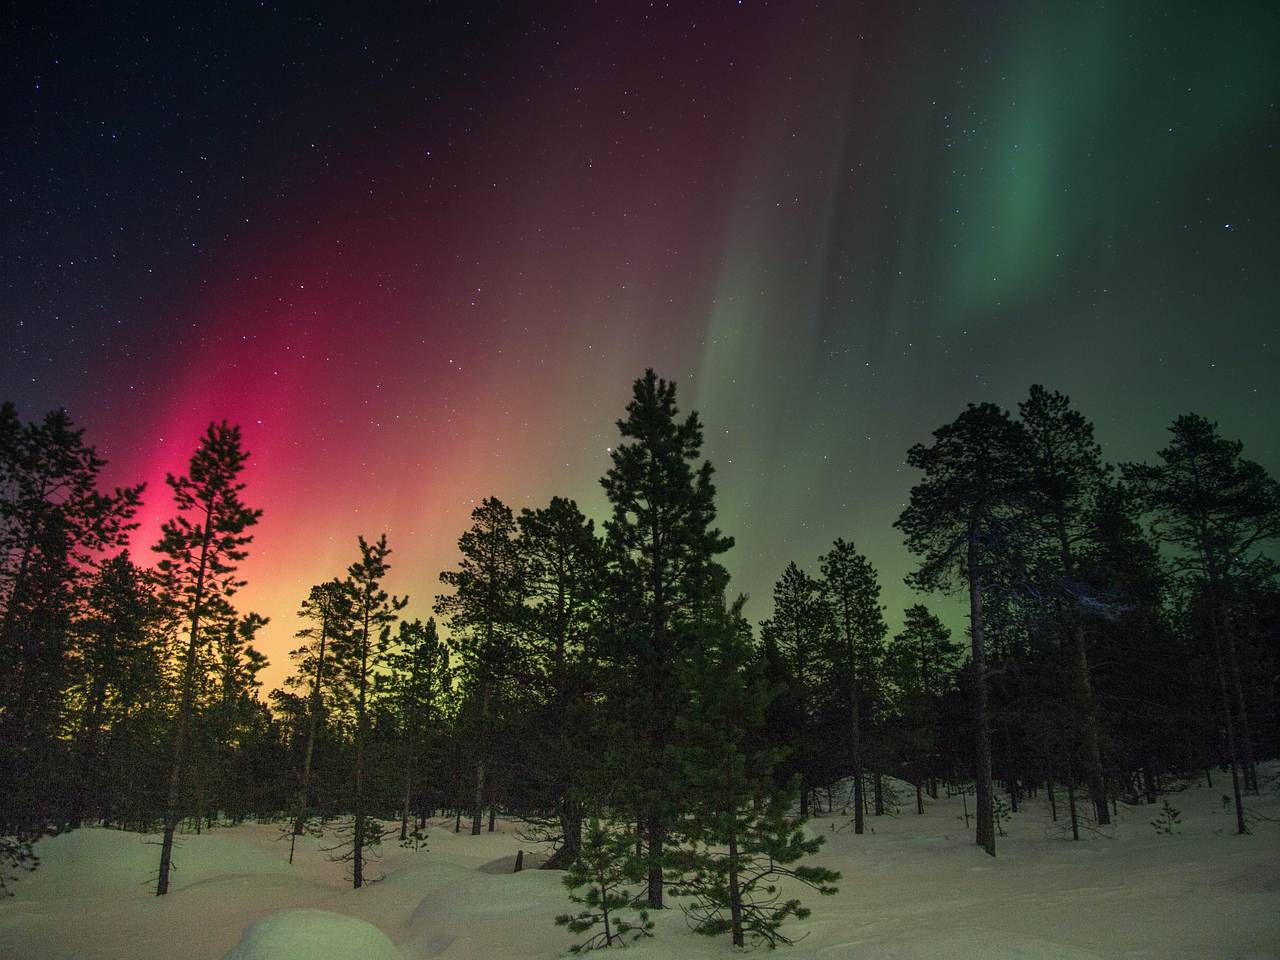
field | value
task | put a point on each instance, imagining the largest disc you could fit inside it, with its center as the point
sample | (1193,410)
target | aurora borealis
(420,254)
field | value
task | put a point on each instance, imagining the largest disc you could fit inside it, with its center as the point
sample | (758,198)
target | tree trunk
(1084,690)
(1071,802)
(1246,740)
(602,885)
(735,894)
(477,807)
(357,840)
(408,796)
(656,828)
(879,794)
(855,731)
(1229,727)
(313,727)
(19,583)
(1088,705)
(184,717)
(571,830)
(986,835)
(657,836)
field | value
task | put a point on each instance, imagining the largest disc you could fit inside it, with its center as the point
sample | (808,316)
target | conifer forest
(500,481)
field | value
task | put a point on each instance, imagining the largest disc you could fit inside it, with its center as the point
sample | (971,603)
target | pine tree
(852,594)
(608,870)
(662,544)
(483,613)
(564,570)
(417,682)
(329,610)
(922,662)
(1218,509)
(962,521)
(238,666)
(200,548)
(361,653)
(1066,473)
(115,649)
(798,631)
(1157,715)
(1168,818)
(232,717)
(741,839)
(1000,814)
(55,527)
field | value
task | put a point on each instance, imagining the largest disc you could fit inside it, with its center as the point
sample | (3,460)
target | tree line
(604,687)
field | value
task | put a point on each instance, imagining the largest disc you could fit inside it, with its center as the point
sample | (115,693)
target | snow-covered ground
(916,888)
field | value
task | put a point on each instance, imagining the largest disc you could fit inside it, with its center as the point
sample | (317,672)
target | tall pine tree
(484,612)
(922,662)
(361,652)
(564,573)
(798,631)
(328,610)
(662,547)
(117,648)
(200,549)
(1218,509)
(852,593)
(962,521)
(417,682)
(55,527)
(1067,472)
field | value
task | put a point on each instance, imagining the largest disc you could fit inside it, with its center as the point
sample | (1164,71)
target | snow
(916,888)
(313,935)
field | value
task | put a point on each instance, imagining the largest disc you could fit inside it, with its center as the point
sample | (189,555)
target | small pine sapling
(415,837)
(298,824)
(17,856)
(358,843)
(1000,813)
(737,891)
(965,790)
(1168,818)
(608,869)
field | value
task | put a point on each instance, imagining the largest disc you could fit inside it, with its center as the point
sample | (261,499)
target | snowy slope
(915,888)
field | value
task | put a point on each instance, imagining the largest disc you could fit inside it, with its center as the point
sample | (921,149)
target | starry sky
(419,252)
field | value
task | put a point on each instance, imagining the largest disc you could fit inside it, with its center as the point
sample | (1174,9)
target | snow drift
(313,935)
(915,888)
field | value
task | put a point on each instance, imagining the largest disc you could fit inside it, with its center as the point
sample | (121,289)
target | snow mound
(313,935)
(94,862)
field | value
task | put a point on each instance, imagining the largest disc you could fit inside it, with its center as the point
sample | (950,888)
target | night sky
(420,253)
